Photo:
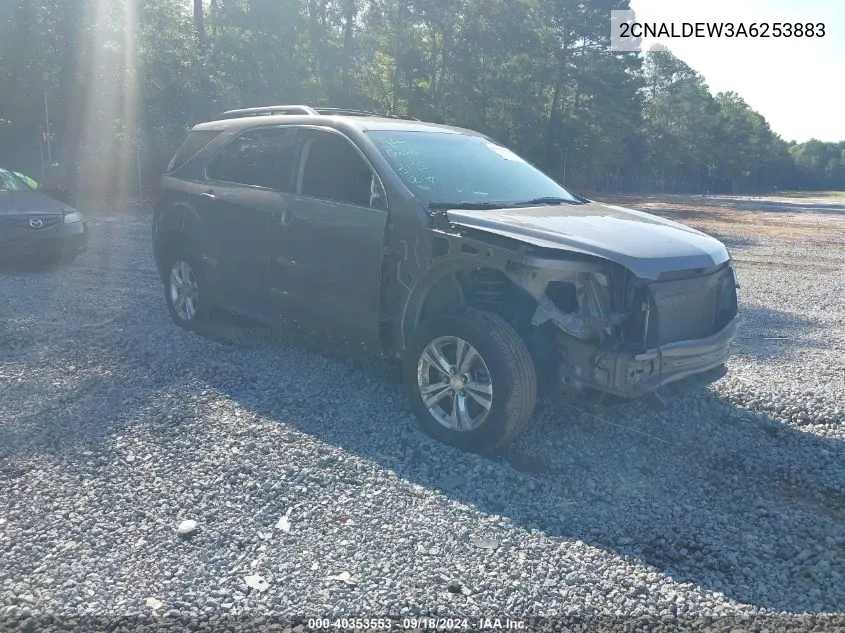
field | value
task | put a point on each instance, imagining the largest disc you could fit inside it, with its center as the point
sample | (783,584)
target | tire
(191,312)
(495,397)
(68,259)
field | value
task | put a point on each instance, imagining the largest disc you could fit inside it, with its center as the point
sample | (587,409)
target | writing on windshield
(439,167)
(409,164)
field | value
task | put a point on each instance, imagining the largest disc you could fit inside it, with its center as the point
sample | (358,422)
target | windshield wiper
(546,200)
(500,205)
(468,205)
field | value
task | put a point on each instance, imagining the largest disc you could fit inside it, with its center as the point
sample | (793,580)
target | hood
(30,203)
(644,244)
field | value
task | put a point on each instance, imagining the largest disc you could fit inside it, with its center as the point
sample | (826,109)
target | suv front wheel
(470,380)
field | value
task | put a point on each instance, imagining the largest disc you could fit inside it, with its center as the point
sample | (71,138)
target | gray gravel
(116,427)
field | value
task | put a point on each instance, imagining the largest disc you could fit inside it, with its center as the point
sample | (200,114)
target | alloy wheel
(184,290)
(454,383)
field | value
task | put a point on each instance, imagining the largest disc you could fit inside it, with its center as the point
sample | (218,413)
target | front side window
(262,158)
(443,168)
(334,170)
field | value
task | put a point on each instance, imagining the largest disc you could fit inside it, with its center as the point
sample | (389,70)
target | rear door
(327,247)
(244,188)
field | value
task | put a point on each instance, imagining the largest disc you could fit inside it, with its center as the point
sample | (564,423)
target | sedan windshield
(10,182)
(443,169)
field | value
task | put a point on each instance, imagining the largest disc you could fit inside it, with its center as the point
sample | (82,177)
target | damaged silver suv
(441,247)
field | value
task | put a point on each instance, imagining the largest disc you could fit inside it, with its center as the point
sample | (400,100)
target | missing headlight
(563,295)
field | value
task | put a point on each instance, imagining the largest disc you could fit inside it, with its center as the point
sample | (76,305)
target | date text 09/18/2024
(478,624)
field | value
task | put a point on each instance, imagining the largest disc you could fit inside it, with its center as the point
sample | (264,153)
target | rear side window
(264,158)
(195,141)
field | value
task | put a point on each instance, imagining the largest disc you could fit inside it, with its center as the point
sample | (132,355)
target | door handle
(208,194)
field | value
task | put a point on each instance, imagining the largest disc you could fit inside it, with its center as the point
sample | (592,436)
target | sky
(798,85)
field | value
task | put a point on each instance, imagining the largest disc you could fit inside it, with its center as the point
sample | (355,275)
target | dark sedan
(34,226)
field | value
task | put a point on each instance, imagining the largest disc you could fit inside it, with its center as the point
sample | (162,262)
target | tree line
(121,81)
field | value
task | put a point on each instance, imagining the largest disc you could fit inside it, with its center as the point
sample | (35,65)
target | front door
(329,242)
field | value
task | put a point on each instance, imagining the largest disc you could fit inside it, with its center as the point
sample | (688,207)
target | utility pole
(199,26)
(47,129)
(140,182)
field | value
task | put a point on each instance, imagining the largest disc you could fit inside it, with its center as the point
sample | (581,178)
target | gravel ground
(116,426)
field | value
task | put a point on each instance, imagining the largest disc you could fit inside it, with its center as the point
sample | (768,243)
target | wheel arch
(168,242)
(440,276)
(450,284)
(174,222)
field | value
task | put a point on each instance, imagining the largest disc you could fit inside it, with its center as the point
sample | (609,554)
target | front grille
(693,308)
(34,222)
(726,306)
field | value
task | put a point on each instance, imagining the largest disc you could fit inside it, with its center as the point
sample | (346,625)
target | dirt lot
(115,426)
(819,219)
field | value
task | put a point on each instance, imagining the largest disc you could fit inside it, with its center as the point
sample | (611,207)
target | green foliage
(535,74)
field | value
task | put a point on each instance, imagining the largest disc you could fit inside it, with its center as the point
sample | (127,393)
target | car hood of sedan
(30,203)
(645,244)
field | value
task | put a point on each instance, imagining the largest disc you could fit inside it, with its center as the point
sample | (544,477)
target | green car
(26,179)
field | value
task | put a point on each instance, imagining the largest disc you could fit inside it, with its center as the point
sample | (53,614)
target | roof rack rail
(268,111)
(307,110)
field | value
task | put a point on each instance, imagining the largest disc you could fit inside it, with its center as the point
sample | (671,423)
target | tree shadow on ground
(696,206)
(29,266)
(732,240)
(770,205)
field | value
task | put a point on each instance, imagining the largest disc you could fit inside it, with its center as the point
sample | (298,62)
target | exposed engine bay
(626,335)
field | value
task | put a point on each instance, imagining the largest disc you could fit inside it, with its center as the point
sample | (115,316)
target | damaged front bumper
(633,374)
(606,330)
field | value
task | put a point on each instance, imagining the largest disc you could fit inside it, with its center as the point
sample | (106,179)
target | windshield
(443,168)
(10,182)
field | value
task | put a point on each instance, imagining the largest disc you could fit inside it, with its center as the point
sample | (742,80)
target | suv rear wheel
(470,380)
(185,290)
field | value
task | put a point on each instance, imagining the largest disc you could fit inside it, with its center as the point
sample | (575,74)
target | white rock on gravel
(255,581)
(344,577)
(283,523)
